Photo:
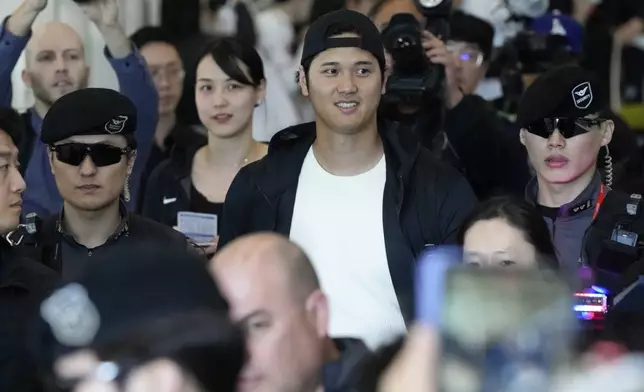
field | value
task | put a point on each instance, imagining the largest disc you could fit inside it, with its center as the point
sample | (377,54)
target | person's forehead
(344,56)
(57,37)
(249,285)
(160,52)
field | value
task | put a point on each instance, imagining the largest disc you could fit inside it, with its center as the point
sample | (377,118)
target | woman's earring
(608,167)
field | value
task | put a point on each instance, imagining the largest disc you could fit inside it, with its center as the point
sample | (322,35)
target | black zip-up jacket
(168,188)
(425,201)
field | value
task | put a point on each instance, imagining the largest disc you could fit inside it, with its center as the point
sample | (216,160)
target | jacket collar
(584,202)
(401,149)
(122,229)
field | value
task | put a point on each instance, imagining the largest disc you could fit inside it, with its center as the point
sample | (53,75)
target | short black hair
(152,34)
(522,216)
(468,28)
(12,123)
(228,53)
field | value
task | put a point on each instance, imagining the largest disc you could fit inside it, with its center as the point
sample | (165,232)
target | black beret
(108,299)
(317,38)
(564,91)
(90,111)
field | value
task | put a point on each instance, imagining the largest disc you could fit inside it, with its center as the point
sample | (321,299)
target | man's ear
(26,78)
(301,81)
(522,136)
(608,128)
(317,308)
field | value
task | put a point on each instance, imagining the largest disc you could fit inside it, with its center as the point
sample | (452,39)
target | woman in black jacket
(230,83)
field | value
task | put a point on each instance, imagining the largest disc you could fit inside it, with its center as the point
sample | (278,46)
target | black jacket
(424,204)
(183,140)
(340,375)
(168,188)
(493,159)
(23,285)
(61,252)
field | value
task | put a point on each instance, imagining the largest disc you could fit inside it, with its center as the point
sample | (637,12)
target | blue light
(600,290)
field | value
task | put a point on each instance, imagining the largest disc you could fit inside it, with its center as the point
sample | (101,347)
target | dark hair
(204,344)
(473,30)
(12,124)
(246,33)
(522,216)
(151,34)
(228,53)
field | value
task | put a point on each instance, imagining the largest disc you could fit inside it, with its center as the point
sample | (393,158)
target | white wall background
(134,14)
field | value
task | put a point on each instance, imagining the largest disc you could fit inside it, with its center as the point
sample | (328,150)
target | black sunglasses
(568,127)
(101,154)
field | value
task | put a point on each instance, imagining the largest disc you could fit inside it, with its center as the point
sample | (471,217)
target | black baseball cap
(319,36)
(565,91)
(90,111)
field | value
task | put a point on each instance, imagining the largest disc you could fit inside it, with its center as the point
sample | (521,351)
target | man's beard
(45,96)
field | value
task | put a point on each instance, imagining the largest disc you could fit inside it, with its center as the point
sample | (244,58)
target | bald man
(274,293)
(55,66)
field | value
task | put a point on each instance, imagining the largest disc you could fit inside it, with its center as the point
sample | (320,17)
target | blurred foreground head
(155,321)
(507,232)
(275,296)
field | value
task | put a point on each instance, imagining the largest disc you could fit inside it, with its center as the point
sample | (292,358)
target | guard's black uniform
(23,284)
(62,253)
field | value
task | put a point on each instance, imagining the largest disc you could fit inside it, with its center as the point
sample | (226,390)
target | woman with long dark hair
(230,83)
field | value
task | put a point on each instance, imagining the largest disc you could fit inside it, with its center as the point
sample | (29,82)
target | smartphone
(502,329)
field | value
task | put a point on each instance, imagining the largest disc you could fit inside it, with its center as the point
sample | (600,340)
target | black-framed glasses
(568,127)
(101,154)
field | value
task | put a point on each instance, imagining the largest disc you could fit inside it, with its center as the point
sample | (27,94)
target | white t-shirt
(338,221)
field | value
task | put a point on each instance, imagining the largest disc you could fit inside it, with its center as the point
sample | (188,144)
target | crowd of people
(144,249)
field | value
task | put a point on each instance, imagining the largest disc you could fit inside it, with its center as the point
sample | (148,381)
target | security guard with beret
(594,228)
(90,138)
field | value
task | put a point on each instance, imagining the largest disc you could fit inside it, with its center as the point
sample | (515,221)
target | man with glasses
(92,149)
(160,53)
(562,130)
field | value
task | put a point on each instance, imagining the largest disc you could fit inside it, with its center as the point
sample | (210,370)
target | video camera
(414,78)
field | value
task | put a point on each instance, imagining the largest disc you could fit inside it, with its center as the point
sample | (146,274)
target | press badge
(201,228)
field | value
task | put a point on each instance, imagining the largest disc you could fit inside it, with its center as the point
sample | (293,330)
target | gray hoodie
(568,229)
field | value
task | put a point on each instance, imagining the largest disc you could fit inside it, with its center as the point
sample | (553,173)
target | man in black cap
(154,319)
(92,149)
(563,132)
(362,199)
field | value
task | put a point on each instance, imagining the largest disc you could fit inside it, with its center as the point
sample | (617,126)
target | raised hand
(104,13)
